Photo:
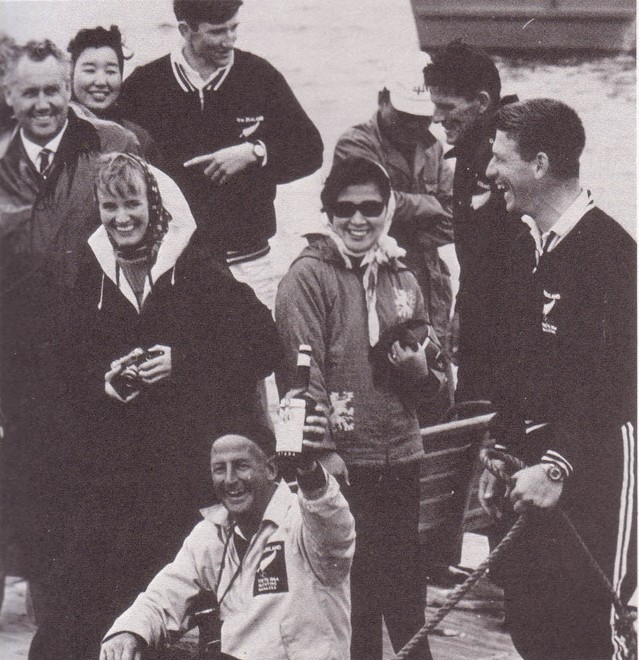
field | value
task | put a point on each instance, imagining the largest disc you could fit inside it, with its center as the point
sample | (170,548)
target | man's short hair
(98,37)
(195,12)
(460,69)
(350,172)
(257,433)
(36,51)
(548,126)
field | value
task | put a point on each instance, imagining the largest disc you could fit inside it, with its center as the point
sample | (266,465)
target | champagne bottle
(294,410)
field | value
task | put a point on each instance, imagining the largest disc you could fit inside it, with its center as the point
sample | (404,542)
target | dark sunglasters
(371,209)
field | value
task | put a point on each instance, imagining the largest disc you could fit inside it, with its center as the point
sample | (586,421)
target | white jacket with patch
(291,597)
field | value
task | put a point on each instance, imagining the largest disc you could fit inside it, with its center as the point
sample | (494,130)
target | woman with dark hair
(361,310)
(168,348)
(97,58)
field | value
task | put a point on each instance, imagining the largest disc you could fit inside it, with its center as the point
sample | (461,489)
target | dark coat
(222,339)
(44,226)
(484,233)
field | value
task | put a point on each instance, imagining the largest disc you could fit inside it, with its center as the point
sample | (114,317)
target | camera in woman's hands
(128,379)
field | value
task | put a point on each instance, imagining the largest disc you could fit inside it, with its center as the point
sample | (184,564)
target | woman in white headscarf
(344,296)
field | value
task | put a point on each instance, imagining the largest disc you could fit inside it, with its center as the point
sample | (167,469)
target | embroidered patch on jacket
(249,125)
(547,323)
(404,303)
(271,577)
(342,411)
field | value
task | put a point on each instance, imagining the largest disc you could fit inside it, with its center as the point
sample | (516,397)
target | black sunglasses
(369,208)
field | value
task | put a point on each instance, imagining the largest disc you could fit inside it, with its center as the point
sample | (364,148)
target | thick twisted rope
(492,459)
(503,465)
(453,598)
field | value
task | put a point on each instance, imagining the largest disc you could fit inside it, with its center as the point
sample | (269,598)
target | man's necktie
(45,160)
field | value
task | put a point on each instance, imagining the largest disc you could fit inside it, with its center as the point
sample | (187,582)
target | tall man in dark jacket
(47,212)
(465,88)
(569,392)
(232,131)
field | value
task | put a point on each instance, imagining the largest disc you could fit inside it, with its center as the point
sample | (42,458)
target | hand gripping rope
(493,459)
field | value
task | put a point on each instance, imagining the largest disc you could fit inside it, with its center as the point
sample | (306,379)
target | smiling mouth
(359,232)
(99,95)
(125,229)
(235,497)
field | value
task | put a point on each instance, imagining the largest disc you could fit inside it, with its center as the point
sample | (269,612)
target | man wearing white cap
(398,138)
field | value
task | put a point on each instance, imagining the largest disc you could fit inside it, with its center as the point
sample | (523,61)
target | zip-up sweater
(291,597)
(254,102)
(322,303)
(570,360)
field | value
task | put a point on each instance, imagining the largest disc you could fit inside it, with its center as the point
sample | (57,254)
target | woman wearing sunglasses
(343,295)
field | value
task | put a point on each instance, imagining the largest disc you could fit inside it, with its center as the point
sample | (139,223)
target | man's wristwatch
(259,151)
(553,472)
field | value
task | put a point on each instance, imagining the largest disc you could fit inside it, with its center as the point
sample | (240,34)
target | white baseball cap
(408,92)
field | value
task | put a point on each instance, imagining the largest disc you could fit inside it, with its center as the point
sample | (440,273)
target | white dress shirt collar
(33,150)
(564,225)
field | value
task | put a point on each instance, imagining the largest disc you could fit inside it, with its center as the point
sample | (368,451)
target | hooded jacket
(321,302)
(44,226)
(222,340)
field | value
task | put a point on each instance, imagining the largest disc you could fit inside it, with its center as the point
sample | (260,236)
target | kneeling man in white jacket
(277,563)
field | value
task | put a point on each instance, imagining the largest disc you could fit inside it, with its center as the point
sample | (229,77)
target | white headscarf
(384,251)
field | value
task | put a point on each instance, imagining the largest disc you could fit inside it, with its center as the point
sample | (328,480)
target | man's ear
(184,29)
(541,165)
(68,89)
(273,470)
(8,97)
(484,101)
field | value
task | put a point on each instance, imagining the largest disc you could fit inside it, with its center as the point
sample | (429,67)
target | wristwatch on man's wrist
(553,472)
(259,151)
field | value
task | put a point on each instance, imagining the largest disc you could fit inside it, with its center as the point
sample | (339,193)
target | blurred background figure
(7,121)
(398,138)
